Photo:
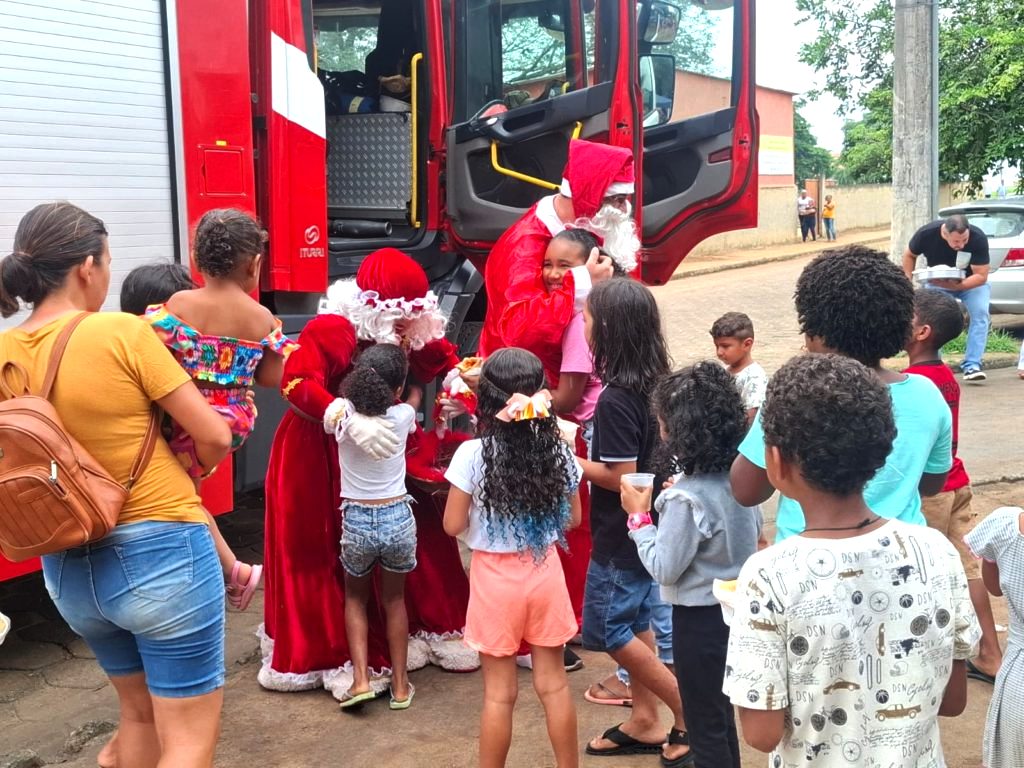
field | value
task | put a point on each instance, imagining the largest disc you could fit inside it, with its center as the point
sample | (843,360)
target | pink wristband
(638,520)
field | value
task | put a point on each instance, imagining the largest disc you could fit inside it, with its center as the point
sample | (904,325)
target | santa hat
(392,274)
(594,172)
(389,288)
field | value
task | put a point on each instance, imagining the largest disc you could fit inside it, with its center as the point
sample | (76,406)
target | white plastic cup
(640,479)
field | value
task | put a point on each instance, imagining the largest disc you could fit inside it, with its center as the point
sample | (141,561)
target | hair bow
(520,407)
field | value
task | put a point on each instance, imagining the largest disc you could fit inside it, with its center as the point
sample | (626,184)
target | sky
(779,37)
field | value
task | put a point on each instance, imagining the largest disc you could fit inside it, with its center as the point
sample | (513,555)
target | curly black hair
(379,371)
(735,325)
(153,284)
(226,240)
(942,313)
(857,302)
(527,470)
(833,417)
(704,420)
(626,335)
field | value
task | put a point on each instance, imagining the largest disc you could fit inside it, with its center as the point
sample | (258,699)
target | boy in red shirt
(937,321)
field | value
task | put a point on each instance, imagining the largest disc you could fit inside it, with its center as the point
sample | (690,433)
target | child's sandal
(402,703)
(239,594)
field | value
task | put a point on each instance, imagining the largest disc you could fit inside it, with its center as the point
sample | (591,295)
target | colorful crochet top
(215,359)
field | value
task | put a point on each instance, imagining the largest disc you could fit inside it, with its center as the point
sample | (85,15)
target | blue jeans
(617,605)
(147,598)
(830,228)
(661,624)
(378,533)
(976,300)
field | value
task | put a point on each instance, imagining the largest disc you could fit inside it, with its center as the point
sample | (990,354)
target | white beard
(618,231)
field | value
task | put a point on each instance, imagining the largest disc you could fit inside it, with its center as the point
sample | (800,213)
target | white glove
(374,435)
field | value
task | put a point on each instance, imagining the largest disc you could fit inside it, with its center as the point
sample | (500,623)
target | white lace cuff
(336,417)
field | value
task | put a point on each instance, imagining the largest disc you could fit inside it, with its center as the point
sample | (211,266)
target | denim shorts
(147,598)
(617,605)
(378,533)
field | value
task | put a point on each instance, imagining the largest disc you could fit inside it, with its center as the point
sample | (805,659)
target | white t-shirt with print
(752,383)
(466,472)
(855,639)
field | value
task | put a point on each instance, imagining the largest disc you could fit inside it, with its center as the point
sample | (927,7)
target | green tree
(866,157)
(981,77)
(811,160)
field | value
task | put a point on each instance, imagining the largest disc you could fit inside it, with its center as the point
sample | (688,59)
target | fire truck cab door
(699,153)
(526,77)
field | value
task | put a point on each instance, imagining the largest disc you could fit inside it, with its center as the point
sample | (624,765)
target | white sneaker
(525,661)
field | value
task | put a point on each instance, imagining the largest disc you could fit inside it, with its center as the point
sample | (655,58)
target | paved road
(49,686)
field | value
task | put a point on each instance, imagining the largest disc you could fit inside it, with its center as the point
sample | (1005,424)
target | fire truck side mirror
(659,22)
(658,87)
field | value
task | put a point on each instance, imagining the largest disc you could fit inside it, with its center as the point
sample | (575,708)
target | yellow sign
(775,156)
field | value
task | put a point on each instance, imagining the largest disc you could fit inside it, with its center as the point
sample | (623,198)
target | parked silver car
(1003,221)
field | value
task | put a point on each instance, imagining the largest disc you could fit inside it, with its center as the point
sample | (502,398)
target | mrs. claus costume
(521,312)
(304,643)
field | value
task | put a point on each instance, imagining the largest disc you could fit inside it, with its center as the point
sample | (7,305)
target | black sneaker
(572,661)
(974,373)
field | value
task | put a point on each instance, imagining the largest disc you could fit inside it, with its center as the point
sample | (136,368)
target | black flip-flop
(976,674)
(675,736)
(624,745)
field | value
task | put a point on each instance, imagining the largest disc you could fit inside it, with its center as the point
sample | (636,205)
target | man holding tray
(956,244)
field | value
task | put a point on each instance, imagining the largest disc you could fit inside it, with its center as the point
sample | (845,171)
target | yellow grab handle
(414,204)
(515,174)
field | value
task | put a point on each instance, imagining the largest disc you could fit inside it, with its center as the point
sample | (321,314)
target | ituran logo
(312,236)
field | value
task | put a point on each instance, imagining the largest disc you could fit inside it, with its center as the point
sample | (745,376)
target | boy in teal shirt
(854,302)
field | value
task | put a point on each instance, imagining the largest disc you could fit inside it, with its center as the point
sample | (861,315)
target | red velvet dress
(522,313)
(304,581)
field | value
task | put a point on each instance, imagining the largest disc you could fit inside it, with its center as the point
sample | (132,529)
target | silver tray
(939,273)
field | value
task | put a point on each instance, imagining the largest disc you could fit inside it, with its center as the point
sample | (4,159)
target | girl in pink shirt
(578,387)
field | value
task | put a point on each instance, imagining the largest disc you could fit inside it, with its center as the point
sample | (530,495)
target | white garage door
(83,117)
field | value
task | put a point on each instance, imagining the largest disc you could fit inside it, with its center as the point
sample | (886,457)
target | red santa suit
(521,312)
(304,643)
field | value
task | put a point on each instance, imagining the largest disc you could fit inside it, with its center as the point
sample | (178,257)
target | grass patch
(998,341)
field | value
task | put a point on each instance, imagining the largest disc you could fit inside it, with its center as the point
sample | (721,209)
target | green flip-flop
(351,701)
(402,703)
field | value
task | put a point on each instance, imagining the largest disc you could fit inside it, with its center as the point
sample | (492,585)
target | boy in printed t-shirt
(937,321)
(733,334)
(849,639)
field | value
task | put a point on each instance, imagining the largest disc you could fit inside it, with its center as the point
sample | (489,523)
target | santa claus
(594,195)
(523,312)
(304,644)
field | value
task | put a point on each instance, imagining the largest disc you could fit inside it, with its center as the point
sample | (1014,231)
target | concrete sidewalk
(706,264)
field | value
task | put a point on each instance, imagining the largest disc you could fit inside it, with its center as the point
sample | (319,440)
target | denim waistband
(376,505)
(129,531)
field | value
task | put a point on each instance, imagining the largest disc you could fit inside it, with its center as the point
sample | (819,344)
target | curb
(727,265)
(997,480)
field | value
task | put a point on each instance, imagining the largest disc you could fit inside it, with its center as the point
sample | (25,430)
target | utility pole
(915,120)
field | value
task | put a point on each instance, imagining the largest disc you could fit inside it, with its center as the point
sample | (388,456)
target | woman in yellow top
(148,598)
(828,217)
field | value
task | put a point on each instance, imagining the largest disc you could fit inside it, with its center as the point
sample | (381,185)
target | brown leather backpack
(53,494)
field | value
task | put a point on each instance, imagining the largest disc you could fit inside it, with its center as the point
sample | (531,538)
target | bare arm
(990,576)
(763,730)
(750,485)
(909,262)
(270,370)
(456,511)
(576,510)
(954,700)
(607,476)
(570,389)
(931,483)
(193,414)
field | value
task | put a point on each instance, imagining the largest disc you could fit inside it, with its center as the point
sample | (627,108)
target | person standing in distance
(941,243)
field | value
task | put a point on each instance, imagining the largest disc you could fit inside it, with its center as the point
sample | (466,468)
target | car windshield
(998,224)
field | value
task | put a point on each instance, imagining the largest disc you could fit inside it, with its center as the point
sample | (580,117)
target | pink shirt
(576,358)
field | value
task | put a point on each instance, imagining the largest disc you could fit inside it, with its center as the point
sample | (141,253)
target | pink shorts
(234,407)
(513,599)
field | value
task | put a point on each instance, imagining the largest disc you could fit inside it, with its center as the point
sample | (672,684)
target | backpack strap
(148,444)
(57,353)
(152,431)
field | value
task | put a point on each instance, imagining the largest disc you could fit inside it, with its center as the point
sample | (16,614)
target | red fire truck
(348,125)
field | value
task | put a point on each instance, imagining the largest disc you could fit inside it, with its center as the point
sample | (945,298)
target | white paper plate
(727,597)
